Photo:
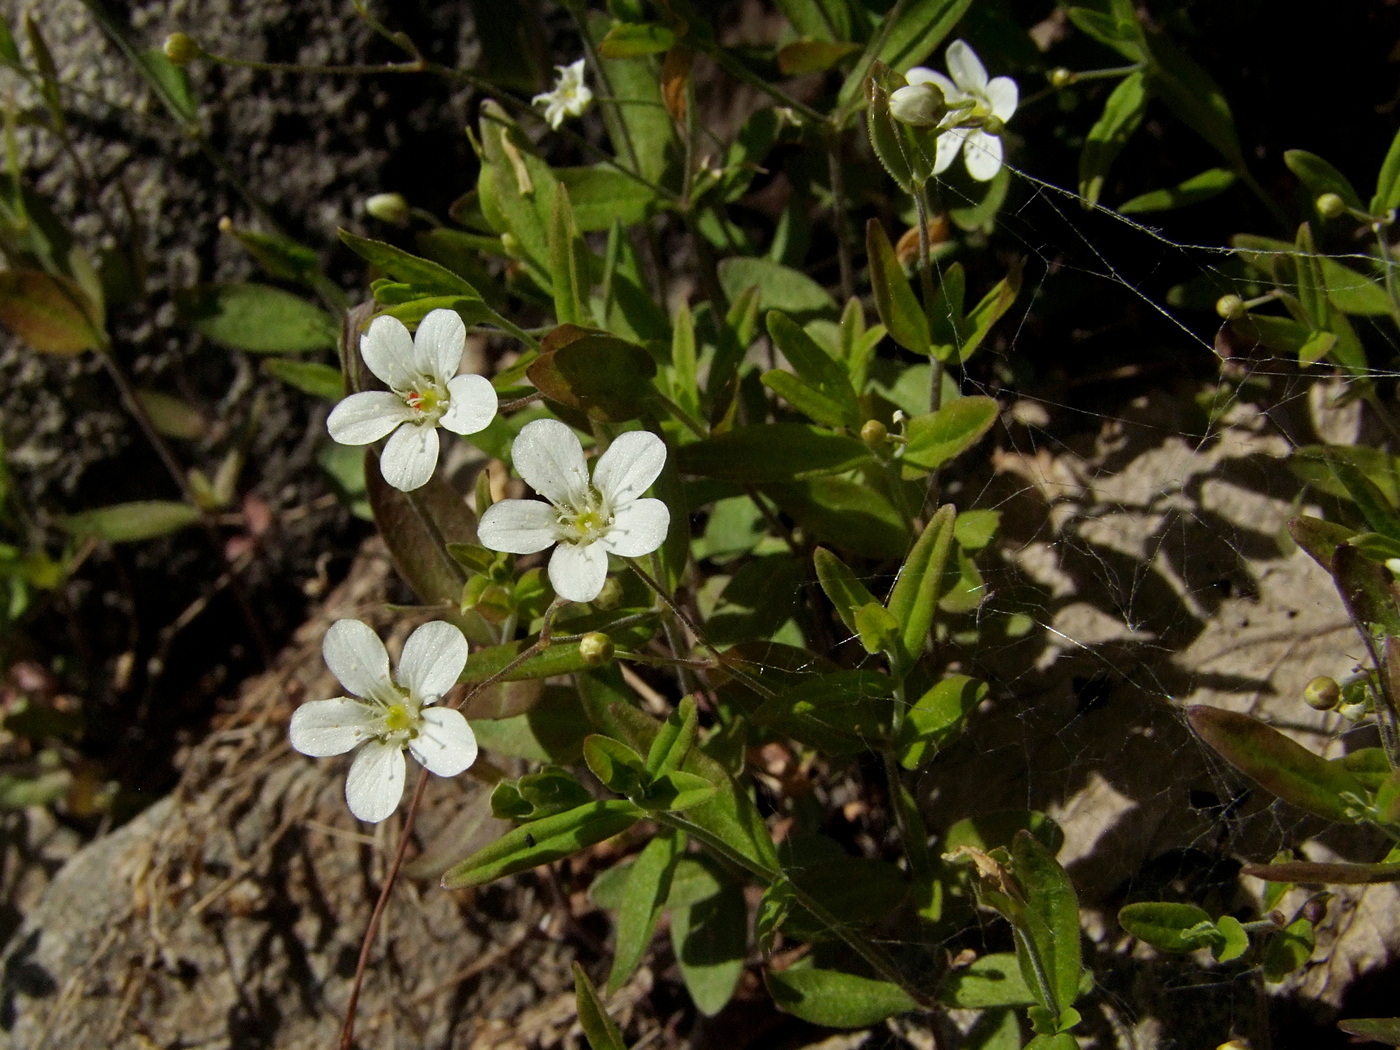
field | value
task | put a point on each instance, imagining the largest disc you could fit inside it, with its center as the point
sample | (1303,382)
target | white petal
(323,728)
(518,526)
(638,528)
(432,660)
(375,784)
(410,457)
(438,344)
(982,155)
(367,416)
(549,457)
(471,405)
(1004,96)
(445,743)
(577,572)
(948,145)
(920,75)
(388,351)
(357,658)
(629,466)
(966,68)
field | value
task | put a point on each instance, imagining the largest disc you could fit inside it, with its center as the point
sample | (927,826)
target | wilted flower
(424,393)
(570,97)
(588,521)
(388,714)
(978,108)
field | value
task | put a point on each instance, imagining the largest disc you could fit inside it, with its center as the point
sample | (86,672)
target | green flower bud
(1230,307)
(1353,712)
(920,105)
(388,207)
(874,433)
(1329,205)
(181,49)
(1061,78)
(610,596)
(1322,693)
(596,648)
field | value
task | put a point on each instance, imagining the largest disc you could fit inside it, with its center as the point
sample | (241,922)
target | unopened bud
(596,648)
(1393,564)
(1322,693)
(181,49)
(610,596)
(874,433)
(1353,712)
(1061,78)
(388,207)
(920,105)
(1315,910)
(1230,307)
(1329,205)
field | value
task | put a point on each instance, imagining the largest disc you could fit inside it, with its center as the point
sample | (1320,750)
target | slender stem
(838,216)
(539,645)
(347,1028)
(935,391)
(352,70)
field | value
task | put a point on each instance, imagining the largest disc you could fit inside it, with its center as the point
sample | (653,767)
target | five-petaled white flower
(570,97)
(588,521)
(992,103)
(424,393)
(388,714)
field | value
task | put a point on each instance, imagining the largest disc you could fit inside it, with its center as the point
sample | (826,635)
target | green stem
(935,391)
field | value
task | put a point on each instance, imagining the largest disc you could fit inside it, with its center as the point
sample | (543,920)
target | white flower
(993,101)
(569,98)
(424,393)
(388,714)
(588,521)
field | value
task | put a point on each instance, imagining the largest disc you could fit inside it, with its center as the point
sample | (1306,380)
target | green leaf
(878,630)
(1276,763)
(844,590)
(819,19)
(1114,23)
(915,594)
(1351,292)
(1388,181)
(614,763)
(1319,538)
(1194,97)
(1377,1029)
(1288,949)
(886,136)
(803,57)
(986,313)
(542,841)
(937,718)
(603,195)
(991,831)
(676,791)
(771,452)
(779,287)
(920,27)
(49,312)
(550,730)
(1368,589)
(424,275)
(937,437)
(173,416)
(1169,926)
(975,529)
(643,898)
(129,522)
(845,513)
(674,739)
(1209,183)
(1235,940)
(593,372)
(834,999)
(1320,177)
(1122,113)
(821,373)
(842,713)
(598,1027)
(9,53)
(568,265)
(310,377)
(710,937)
(992,980)
(633,39)
(1324,874)
(516,190)
(171,83)
(898,307)
(1051,918)
(257,318)
(639,126)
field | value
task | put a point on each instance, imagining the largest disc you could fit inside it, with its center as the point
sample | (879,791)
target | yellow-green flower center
(585,526)
(397,719)
(427,402)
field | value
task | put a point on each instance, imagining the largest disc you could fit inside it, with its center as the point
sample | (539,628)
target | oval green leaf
(835,999)
(257,318)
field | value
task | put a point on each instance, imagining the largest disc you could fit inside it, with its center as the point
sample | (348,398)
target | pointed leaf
(1209,183)
(643,898)
(710,939)
(771,452)
(1324,874)
(937,437)
(1051,917)
(835,999)
(1122,113)
(49,312)
(1387,194)
(600,1030)
(844,590)
(1377,1029)
(816,367)
(257,318)
(1321,177)
(915,594)
(1167,925)
(130,522)
(992,980)
(542,841)
(898,307)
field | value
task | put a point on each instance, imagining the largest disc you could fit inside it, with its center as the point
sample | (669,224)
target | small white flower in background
(992,102)
(570,97)
(425,392)
(388,714)
(588,521)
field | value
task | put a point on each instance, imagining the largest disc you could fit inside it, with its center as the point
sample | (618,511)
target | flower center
(397,719)
(428,403)
(585,526)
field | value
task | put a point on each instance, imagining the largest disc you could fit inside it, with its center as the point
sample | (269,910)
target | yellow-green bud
(1353,712)
(610,596)
(1322,693)
(1329,205)
(596,648)
(388,207)
(1230,307)
(1061,78)
(874,433)
(181,49)
(919,105)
